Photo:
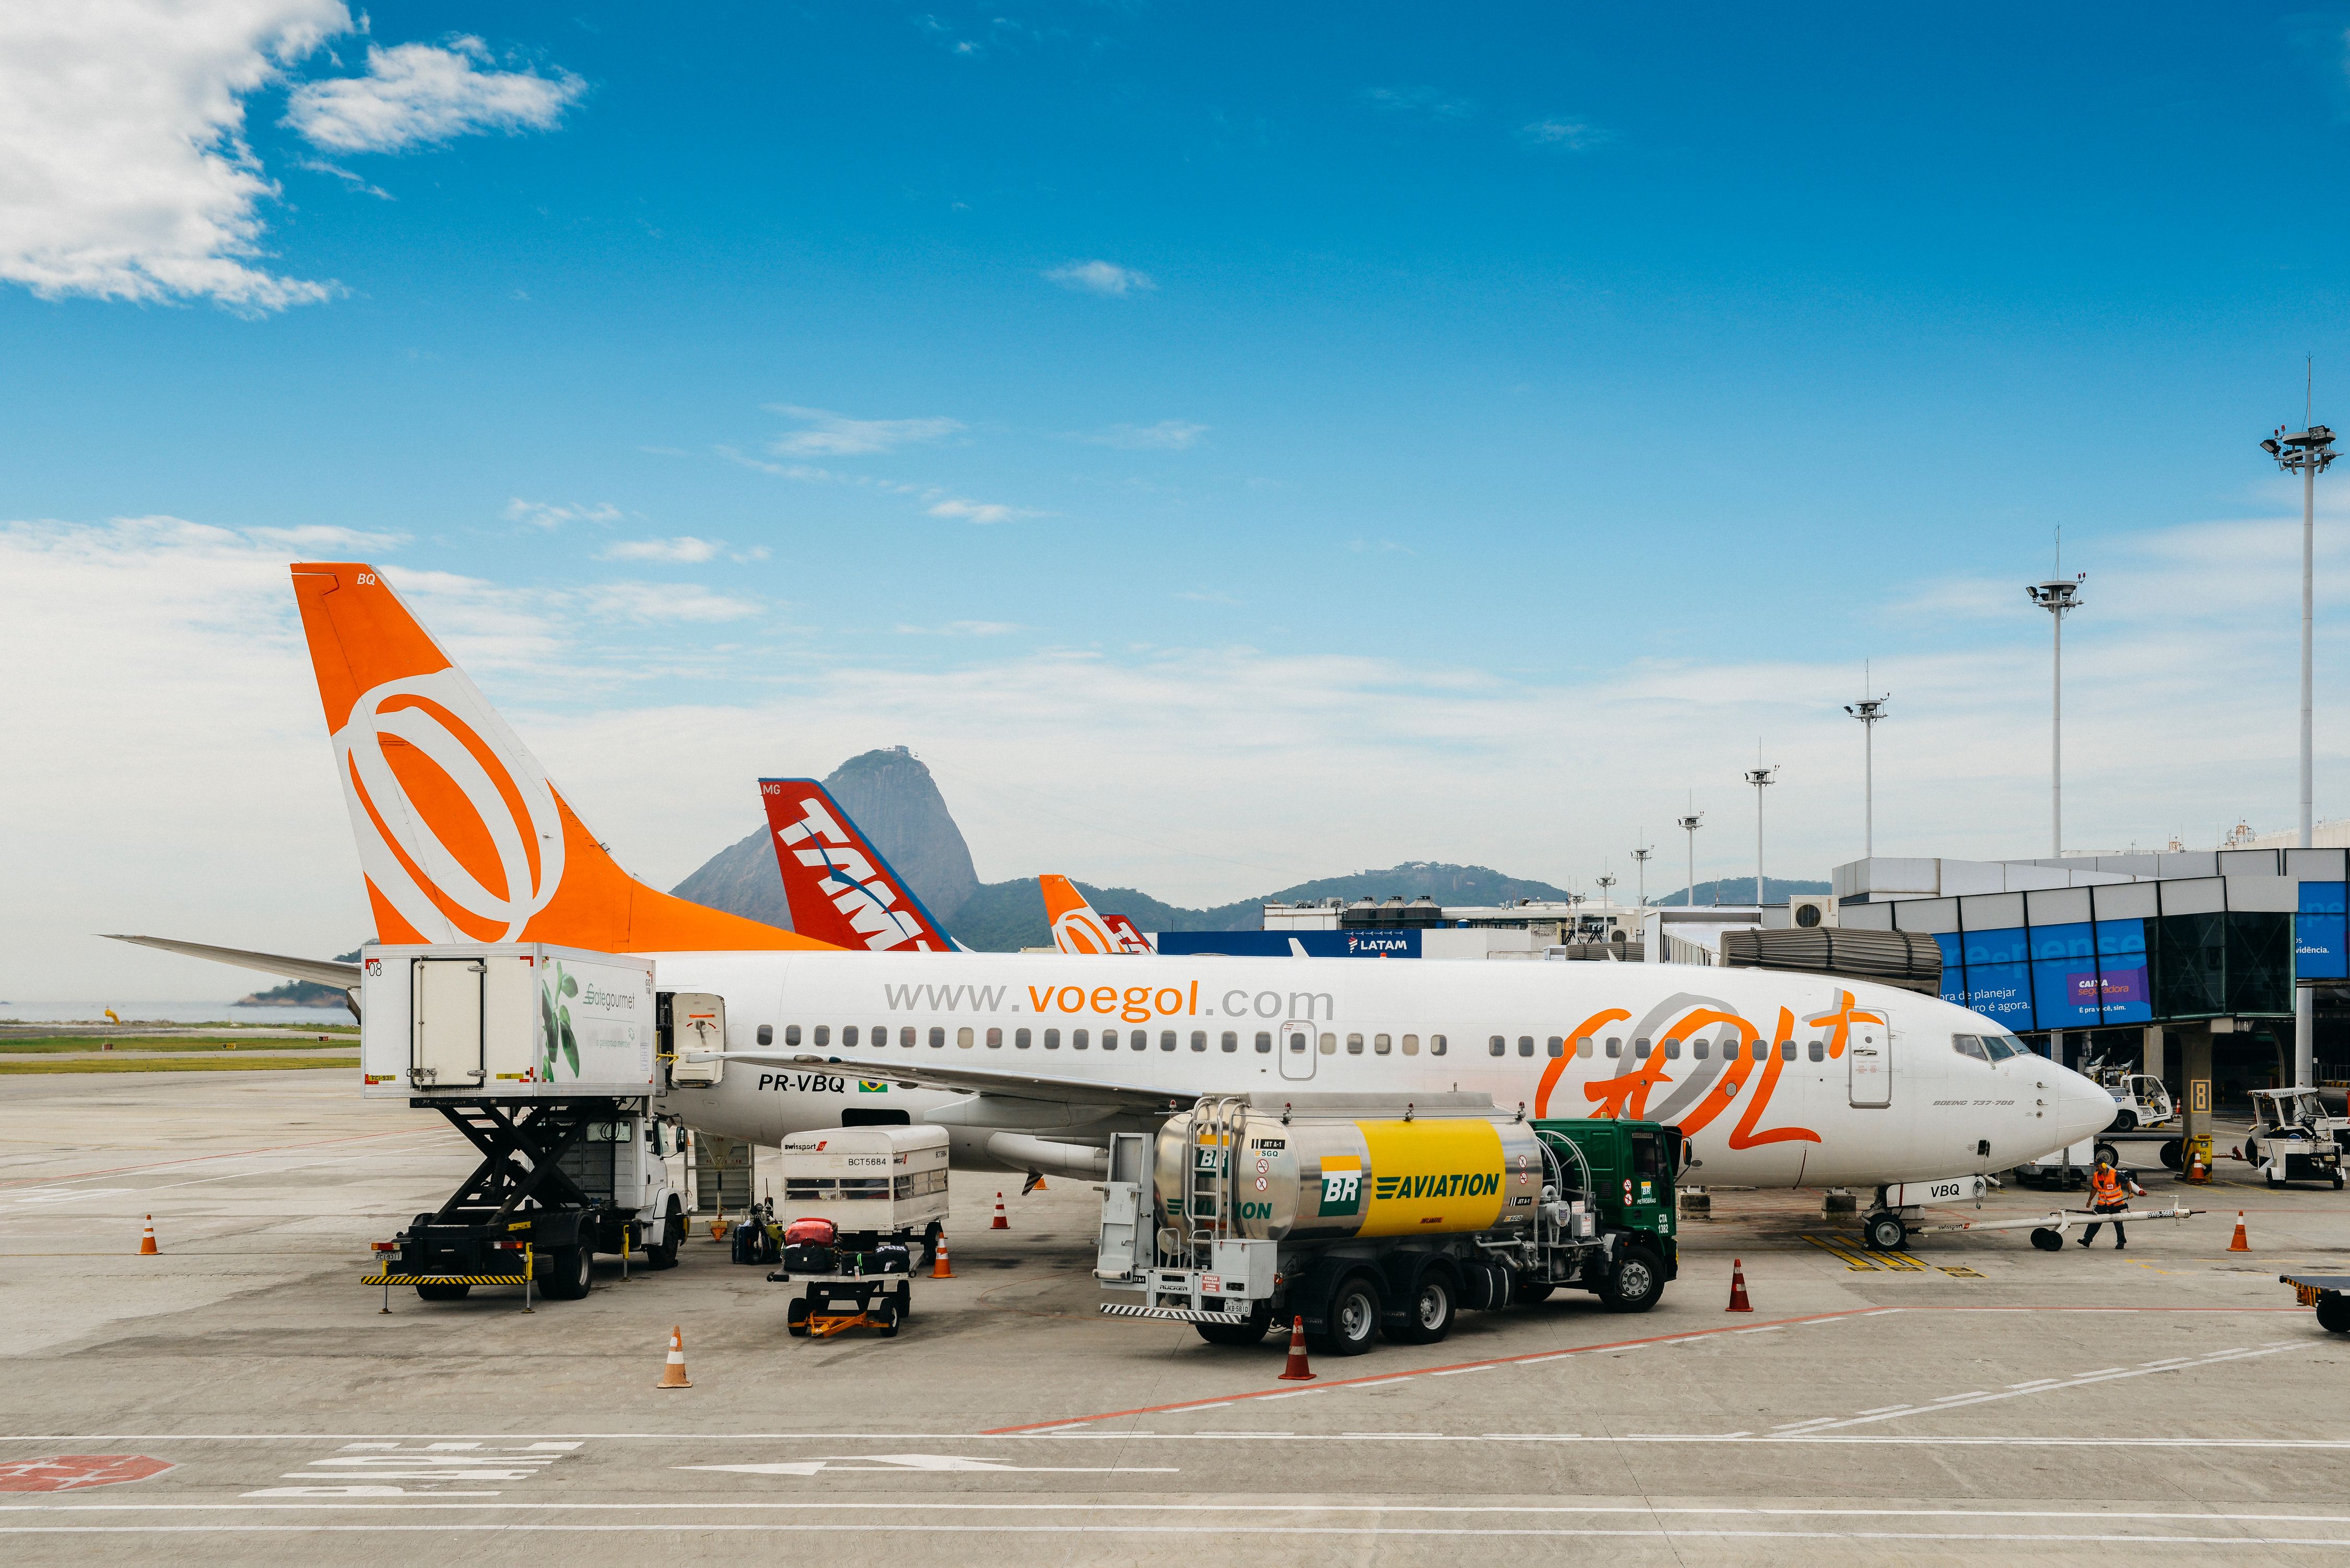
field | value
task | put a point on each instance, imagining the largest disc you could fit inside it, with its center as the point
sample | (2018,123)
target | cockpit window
(1969,1045)
(2005,1046)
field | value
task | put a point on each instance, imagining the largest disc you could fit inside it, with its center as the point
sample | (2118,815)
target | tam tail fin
(1130,939)
(1076,928)
(462,835)
(842,890)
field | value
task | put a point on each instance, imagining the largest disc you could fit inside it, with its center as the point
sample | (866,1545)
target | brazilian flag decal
(867,1086)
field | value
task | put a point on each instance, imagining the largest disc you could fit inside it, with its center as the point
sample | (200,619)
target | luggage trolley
(2329,1293)
(841,1288)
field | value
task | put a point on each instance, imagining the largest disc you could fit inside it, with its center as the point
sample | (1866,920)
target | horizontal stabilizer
(317,971)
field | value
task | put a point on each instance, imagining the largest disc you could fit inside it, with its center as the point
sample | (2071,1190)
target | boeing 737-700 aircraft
(1031,1061)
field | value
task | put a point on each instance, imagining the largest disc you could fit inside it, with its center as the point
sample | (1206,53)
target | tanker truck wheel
(1427,1315)
(1638,1283)
(1352,1316)
(1249,1333)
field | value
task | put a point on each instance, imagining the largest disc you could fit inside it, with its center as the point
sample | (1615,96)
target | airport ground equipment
(873,1183)
(1360,1214)
(2329,1293)
(1899,1210)
(2294,1138)
(2140,1101)
(543,1059)
(844,1280)
(2068,1168)
(2048,1229)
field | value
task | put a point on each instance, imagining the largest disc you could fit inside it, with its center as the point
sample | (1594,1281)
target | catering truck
(1364,1214)
(547,1059)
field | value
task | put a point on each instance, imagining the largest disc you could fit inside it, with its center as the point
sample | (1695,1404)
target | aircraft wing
(1143,1098)
(317,971)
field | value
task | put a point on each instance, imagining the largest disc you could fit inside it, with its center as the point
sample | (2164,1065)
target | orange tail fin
(1076,928)
(462,835)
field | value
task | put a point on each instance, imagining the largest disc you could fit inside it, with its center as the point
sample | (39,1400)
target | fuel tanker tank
(1302,1178)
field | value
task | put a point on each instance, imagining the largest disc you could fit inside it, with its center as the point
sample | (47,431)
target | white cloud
(1419,101)
(417,95)
(1204,596)
(686,549)
(833,435)
(980,511)
(316,537)
(1167,435)
(649,602)
(549,516)
(1566,135)
(123,169)
(963,628)
(1101,278)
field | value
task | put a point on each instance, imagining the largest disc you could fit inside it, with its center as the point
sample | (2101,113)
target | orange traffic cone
(2240,1242)
(1001,1223)
(147,1242)
(1296,1371)
(1040,1185)
(718,1229)
(940,1269)
(673,1374)
(1737,1301)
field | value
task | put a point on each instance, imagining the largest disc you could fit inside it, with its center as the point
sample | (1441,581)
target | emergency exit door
(696,1024)
(1868,1057)
(1297,1051)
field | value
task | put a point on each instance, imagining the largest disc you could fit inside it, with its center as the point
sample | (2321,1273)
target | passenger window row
(1700,1050)
(1381,1045)
(1022,1039)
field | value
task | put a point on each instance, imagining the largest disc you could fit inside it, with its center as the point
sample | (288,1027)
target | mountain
(892,795)
(301,992)
(1741,890)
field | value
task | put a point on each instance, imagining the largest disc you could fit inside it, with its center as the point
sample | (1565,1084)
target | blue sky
(1231,447)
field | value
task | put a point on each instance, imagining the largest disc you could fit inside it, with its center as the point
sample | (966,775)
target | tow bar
(2048,1229)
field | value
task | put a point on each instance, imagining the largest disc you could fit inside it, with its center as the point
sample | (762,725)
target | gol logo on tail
(455,821)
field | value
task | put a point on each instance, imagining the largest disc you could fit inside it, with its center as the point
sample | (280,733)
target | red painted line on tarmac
(199,1159)
(1214,1399)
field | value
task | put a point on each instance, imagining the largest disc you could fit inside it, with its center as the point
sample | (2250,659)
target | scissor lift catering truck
(547,1059)
(1360,1214)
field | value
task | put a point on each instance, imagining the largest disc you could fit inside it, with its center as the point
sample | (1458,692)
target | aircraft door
(1298,1050)
(1868,1057)
(696,1022)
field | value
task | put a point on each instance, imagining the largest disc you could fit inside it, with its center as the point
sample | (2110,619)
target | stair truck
(1370,1214)
(547,1059)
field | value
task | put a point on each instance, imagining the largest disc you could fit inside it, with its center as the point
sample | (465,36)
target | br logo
(1342,1189)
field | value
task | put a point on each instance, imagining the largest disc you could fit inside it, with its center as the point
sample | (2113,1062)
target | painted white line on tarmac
(1093,1432)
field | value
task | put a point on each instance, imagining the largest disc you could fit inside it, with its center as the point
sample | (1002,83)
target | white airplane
(1032,1060)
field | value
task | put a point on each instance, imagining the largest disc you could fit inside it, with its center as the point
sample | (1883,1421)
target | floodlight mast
(1640,858)
(2059,596)
(2310,452)
(1760,779)
(1868,711)
(1688,824)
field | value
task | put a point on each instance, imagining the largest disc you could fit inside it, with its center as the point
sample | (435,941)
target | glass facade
(2089,974)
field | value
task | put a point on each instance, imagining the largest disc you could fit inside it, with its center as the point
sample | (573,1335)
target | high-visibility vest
(2105,1187)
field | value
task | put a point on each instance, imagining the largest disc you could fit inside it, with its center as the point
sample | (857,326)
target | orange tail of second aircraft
(1076,928)
(462,835)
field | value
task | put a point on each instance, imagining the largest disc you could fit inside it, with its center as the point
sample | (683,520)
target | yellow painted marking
(1858,1262)
(1962,1273)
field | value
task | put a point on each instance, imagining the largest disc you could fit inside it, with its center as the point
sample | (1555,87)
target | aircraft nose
(2082,1108)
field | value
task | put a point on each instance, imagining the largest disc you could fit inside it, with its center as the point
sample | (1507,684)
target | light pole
(1607,880)
(1868,711)
(1688,824)
(2059,596)
(1640,858)
(2309,450)
(1762,780)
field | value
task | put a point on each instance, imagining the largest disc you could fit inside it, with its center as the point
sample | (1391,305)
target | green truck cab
(1630,1168)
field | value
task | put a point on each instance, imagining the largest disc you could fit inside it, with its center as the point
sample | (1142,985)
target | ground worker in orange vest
(2107,1196)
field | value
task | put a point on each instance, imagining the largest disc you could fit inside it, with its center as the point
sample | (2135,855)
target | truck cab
(638,1172)
(1629,1167)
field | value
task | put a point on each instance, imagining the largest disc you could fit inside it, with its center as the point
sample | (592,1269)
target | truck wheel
(2334,1314)
(2126,1122)
(1238,1334)
(1428,1315)
(2169,1154)
(1352,1316)
(2048,1239)
(663,1254)
(567,1273)
(2110,1155)
(884,1310)
(795,1316)
(443,1293)
(1637,1283)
